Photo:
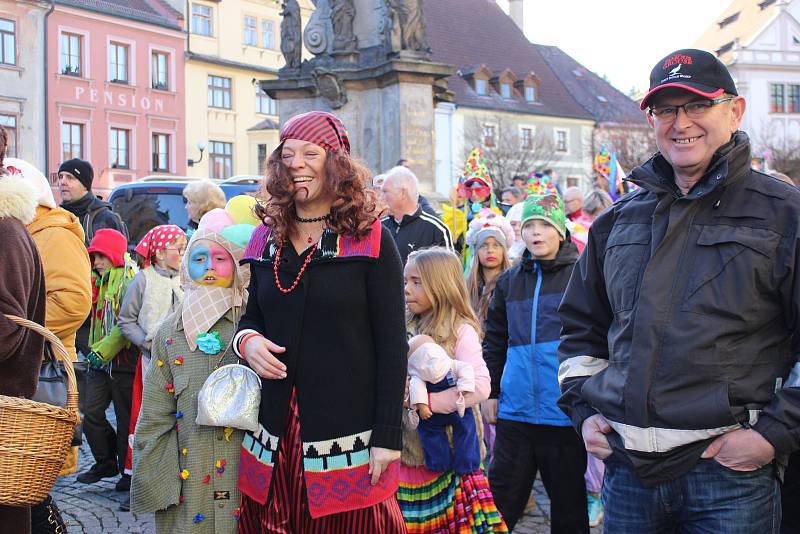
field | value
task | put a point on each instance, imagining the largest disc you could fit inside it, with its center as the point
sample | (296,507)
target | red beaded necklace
(299,275)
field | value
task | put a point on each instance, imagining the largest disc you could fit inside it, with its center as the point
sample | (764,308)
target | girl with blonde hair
(490,236)
(438,306)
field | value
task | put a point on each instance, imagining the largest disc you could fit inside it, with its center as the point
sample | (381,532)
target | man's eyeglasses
(693,110)
(180,250)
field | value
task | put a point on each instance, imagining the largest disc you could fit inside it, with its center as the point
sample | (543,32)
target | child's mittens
(461,405)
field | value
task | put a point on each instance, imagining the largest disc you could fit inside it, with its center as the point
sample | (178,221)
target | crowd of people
(418,371)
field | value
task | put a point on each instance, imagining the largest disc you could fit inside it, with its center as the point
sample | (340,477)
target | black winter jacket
(678,322)
(94,214)
(417,231)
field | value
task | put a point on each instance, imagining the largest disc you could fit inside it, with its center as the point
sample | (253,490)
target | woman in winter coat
(22,293)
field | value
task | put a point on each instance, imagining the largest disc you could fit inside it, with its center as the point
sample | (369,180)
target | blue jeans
(709,499)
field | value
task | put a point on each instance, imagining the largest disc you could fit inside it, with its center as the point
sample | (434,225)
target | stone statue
(389,27)
(291,34)
(318,35)
(412,25)
(342,14)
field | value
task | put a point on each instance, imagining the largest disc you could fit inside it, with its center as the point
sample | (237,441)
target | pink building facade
(116,89)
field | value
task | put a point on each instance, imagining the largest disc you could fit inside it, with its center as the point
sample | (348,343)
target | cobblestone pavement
(94,508)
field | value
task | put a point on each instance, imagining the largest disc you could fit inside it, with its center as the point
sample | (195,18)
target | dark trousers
(520,451)
(108,447)
(465,455)
(790,496)
(709,498)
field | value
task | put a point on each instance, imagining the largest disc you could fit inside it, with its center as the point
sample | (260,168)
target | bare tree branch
(507,157)
(782,151)
(632,143)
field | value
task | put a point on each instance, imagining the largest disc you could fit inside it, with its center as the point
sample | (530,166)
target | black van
(155,200)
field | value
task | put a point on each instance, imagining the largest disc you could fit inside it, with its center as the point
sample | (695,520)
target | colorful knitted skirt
(447,503)
(287,510)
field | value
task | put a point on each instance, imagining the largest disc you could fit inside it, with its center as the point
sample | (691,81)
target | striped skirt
(286,511)
(447,503)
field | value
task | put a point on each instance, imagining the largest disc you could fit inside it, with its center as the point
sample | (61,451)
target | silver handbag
(230,397)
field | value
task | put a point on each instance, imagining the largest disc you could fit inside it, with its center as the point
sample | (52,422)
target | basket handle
(60,352)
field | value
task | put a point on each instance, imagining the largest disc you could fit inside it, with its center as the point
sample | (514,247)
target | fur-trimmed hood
(18,198)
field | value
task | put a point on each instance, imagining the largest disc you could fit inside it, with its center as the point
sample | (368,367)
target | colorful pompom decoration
(206,479)
(228,431)
(160,363)
(237,513)
(210,343)
(220,465)
(170,387)
(184,474)
(180,499)
(199,518)
(179,360)
(168,341)
(184,451)
(179,415)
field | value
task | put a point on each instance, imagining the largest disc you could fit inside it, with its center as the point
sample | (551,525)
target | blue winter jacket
(521,338)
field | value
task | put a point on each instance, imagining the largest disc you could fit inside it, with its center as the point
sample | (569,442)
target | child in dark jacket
(520,344)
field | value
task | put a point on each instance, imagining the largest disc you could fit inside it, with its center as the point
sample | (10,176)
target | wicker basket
(35,437)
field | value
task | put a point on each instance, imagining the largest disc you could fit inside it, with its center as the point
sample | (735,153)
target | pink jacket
(468,350)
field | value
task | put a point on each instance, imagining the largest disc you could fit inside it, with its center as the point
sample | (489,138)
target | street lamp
(201,146)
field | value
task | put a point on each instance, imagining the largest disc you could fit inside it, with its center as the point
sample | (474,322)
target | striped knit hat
(318,127)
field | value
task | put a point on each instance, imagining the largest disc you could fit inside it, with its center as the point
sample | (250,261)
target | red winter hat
(110,244)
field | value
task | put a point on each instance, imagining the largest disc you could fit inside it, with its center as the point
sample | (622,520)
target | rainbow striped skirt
(447,503)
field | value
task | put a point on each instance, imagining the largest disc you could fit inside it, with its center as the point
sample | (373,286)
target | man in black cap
(678,340)
(75,183)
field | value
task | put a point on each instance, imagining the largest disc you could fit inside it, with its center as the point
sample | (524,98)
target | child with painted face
(153,294)
(184,472)
(520,345)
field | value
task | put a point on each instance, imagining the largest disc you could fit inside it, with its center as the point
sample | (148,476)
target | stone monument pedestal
(382,84)
(387,108)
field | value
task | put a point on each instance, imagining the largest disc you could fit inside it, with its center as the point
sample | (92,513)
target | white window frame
(14,38)
(520,129)
(480,82)
(556,131)
(170,150)
(530,90)
(86,141)
(484,126)
(210,20)
(272,104)
(213,155)
(113,39)
(503,87)
(271,33)
(251,32)
(128,148)
(170,53)
(85,67)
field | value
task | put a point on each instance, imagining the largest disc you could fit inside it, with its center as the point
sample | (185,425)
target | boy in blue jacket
(521,338)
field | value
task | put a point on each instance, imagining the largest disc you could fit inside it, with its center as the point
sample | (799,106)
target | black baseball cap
(695,70)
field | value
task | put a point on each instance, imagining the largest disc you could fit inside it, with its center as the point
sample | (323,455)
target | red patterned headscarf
(318,127)
(158,238)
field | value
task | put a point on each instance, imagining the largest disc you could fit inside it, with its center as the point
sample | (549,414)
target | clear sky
(621,39)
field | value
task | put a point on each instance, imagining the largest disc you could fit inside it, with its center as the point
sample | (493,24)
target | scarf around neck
(203,306)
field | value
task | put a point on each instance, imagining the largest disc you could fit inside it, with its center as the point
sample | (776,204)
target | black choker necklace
(312,219)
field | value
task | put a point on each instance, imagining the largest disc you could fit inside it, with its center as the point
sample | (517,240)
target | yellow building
(230,46)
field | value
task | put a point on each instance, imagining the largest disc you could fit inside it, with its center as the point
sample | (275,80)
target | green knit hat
(548,207)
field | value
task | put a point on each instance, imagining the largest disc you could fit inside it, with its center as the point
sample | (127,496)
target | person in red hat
(324,327)
(680,323)
(112,360)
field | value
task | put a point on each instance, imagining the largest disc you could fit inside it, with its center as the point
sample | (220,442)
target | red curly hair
(352,208)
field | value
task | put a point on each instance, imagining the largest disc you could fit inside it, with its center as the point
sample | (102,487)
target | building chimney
(516,11)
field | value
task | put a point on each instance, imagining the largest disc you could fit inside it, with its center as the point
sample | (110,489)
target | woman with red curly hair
(324,328)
